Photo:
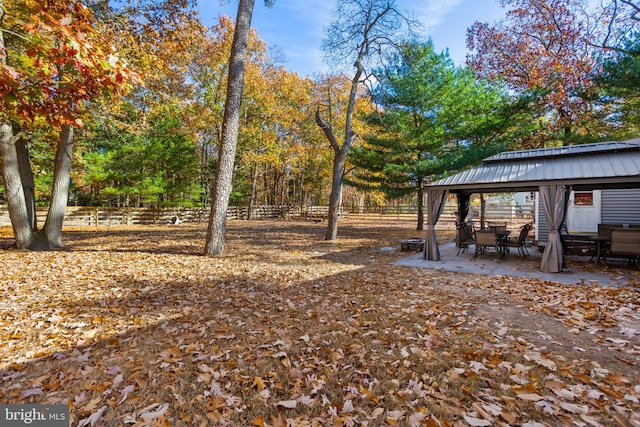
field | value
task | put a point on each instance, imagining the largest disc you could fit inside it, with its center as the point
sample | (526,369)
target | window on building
(583,198)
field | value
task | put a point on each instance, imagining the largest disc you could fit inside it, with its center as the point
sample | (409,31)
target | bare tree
(230,124)
(363,30)
(614,24)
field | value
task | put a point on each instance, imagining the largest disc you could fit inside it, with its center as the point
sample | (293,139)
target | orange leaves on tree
(57,49)
(542,46)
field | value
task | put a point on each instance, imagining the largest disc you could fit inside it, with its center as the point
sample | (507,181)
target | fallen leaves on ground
(132,326)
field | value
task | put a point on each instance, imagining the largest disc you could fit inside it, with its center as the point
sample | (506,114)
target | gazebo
(553,172)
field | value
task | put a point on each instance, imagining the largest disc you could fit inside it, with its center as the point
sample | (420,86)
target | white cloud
(307,19)
(430,12)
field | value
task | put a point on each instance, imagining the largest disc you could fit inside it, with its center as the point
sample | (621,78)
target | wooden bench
(575,244)
(579,245)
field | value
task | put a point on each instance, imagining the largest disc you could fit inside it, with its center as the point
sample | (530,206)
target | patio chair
(496,225)
(464,237)
(520,241)
(625,243)
(485,239)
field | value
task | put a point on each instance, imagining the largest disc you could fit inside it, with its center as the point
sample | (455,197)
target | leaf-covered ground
(132,326)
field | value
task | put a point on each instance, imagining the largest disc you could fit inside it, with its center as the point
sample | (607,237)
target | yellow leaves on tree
(57,57)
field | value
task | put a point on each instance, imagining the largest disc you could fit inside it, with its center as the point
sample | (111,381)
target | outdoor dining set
(495,236)
(612,241)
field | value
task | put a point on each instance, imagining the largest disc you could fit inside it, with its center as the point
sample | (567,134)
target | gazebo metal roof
(587,166)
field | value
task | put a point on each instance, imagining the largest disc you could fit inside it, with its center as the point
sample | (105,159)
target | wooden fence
(505,212)
(107,216)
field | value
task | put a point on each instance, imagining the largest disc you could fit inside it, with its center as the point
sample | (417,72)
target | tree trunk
(28,183)
(51,235)
(231,122)
(420,226)
(340,153)
(483,211)
(301,191)
(20,223)
(274,189)
(336,196)
(254,190)
(265,185)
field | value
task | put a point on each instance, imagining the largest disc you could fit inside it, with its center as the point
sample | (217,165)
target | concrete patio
(580,270)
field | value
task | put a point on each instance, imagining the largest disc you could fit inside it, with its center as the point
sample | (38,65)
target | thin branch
(636,15)
(326,128)
(15,34)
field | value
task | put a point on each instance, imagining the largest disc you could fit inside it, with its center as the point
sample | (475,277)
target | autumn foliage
(132,326)
(542,46)
(57,57)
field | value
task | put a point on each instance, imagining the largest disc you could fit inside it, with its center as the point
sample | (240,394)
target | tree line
(122,103)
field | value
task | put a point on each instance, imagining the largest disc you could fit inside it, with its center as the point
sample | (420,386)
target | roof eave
(523,186)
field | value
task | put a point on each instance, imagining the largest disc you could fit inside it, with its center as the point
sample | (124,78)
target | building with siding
(610,206)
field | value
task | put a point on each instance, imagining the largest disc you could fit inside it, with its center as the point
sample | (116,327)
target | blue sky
(295,27)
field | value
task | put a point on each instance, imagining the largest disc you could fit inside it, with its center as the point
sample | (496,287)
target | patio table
(501,237)
(601,243)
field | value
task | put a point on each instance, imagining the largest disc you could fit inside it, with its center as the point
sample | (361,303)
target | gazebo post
(463,206)
(554,205)
(435,204)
